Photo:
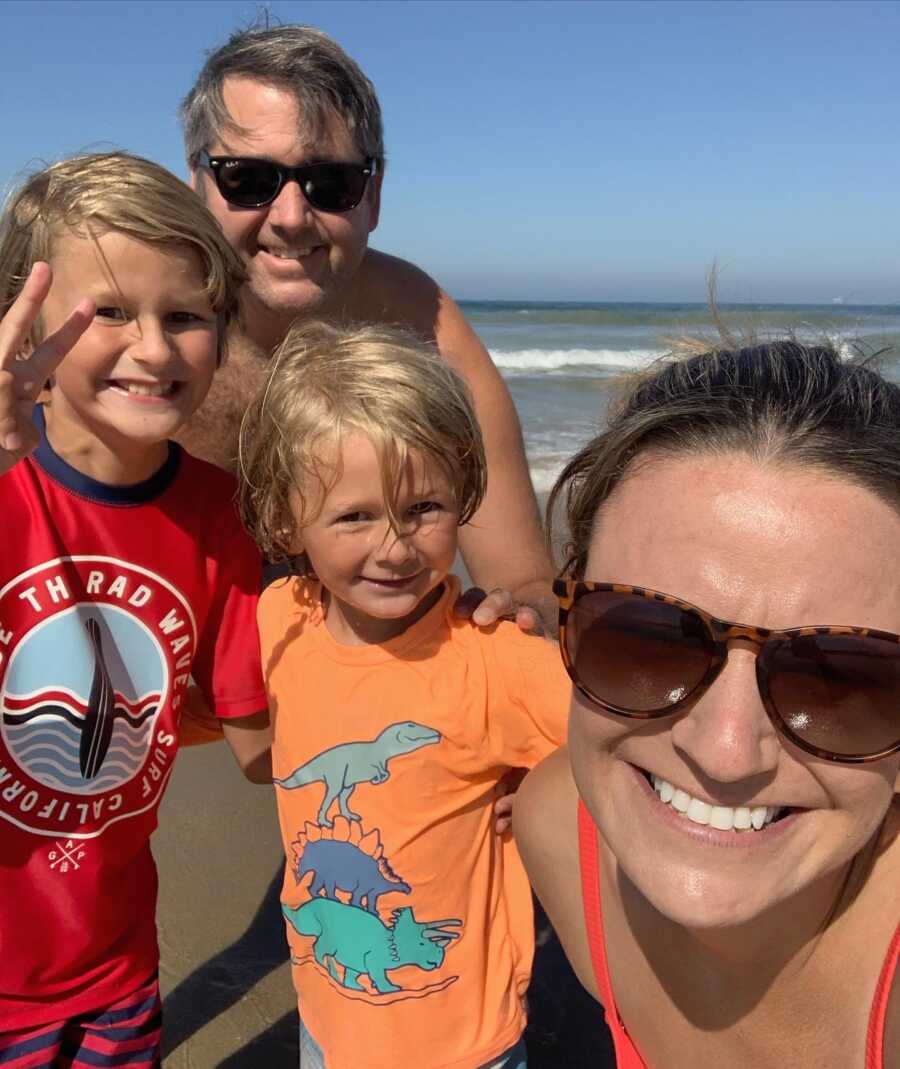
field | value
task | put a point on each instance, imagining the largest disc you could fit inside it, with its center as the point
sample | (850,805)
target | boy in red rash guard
(123,573)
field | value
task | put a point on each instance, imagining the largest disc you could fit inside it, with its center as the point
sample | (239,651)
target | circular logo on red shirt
(95,655)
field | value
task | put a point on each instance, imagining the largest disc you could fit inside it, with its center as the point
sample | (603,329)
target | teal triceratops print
(361,944)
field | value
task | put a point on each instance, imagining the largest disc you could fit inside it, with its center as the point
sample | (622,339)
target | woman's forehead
(772,545)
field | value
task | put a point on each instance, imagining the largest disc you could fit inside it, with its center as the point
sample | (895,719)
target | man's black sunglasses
(252,183)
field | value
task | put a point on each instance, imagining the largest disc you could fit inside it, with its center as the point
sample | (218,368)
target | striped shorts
(127,1033)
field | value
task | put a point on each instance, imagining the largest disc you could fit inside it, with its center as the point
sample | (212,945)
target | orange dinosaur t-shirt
(409,919)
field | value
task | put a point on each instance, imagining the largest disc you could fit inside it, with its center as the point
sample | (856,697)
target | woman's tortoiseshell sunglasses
(832,691)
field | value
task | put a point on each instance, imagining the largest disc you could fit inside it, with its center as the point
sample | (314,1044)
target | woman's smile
(715,825)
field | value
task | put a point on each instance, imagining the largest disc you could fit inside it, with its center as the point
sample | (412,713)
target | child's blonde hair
(329,381)
(93,194)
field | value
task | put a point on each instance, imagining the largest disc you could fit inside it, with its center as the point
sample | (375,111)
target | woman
(728,793)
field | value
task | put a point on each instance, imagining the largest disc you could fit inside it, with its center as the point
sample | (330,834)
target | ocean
(563,361)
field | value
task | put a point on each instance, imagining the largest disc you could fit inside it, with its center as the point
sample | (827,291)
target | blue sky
(582,151)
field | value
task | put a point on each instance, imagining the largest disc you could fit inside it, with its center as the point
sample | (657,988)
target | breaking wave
(592,361)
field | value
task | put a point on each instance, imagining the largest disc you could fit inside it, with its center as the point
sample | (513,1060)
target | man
(284,142)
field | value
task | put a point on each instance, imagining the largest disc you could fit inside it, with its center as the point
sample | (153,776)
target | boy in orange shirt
(409,920)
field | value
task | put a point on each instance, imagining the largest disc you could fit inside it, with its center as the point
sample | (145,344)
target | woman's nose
(726,733)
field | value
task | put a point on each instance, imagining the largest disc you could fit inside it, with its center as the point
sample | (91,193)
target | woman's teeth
(721,817)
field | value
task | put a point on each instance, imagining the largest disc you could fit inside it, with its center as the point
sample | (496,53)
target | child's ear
(297,559)
(43,397)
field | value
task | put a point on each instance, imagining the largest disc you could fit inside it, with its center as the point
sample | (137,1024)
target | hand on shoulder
(486,609)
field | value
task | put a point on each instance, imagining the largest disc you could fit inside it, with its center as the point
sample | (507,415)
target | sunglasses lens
(247,183)
(334,187)
(840,694)
(636,655)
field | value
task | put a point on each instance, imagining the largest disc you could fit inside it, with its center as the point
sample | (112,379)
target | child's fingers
(20,441)
(47,356)
(21,380)
(9,423)
(17,434)
(17,323)
(503,808)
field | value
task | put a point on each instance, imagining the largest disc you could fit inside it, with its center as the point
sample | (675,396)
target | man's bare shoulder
(393,291)
(386,289)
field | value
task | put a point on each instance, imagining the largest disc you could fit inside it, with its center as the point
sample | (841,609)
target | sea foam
(531,361)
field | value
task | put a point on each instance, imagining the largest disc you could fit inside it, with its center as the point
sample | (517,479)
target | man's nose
(290,209)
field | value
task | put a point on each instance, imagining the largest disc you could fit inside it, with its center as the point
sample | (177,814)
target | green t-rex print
(342,767)
(362,944)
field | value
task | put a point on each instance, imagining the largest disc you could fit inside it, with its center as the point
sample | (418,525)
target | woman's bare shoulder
(545,823)
(546,804)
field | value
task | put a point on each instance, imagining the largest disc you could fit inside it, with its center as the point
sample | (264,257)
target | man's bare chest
(213,431)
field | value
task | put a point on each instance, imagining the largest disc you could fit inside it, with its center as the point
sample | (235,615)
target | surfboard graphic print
(96,732)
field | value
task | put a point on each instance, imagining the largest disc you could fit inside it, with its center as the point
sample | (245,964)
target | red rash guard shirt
(110,599)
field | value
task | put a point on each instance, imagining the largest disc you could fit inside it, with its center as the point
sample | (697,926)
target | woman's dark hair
(778,402)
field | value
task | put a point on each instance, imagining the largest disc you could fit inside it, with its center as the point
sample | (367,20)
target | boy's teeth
(145,389)
(721,817)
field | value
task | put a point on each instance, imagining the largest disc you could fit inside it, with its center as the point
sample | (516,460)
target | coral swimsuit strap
(878,1016)
(627,1056)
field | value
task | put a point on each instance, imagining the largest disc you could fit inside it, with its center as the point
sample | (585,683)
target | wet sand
(228,998)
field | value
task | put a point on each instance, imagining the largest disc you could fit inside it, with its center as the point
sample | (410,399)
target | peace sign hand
(22,378)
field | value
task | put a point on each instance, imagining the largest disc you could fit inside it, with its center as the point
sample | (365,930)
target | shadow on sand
(215,986)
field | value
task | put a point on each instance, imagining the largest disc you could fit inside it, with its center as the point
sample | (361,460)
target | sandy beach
(228,999)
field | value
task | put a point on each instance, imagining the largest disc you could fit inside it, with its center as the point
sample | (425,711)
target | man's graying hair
(300,60)
(780,403)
